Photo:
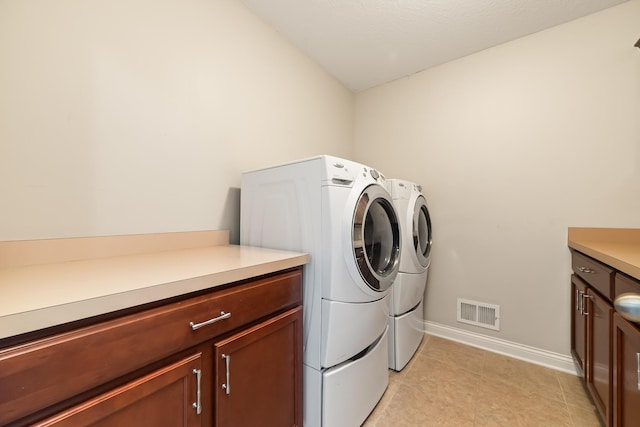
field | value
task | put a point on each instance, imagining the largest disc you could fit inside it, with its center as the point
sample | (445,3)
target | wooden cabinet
(591,344)
(605,346)
(626,388)
(258,377)
(626,361)
(161,364)
(599,367)
(626,380)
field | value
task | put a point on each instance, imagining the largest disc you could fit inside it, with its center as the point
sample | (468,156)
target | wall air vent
(479,314)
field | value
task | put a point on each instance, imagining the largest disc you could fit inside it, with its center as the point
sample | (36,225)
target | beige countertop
(37,296)
(616,247)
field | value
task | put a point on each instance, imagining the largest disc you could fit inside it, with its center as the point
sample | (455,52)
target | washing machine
(340,213)
(406,318)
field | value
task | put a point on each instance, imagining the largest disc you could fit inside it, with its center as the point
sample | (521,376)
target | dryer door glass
(422,238)
(376,238)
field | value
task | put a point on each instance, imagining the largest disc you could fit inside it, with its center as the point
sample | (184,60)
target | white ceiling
(364,43)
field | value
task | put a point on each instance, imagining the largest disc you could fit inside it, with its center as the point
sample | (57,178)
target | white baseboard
(548,359)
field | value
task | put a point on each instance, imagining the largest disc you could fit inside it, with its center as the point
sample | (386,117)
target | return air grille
(479,314)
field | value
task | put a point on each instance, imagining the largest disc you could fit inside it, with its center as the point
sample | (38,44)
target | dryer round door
(376,238)
(421,234)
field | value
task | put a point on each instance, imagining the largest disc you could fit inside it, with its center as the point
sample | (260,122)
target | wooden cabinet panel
(599,343)
(259,374)
(165,397)
(626,380)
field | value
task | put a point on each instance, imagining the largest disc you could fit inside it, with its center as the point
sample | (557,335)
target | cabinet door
(599,344)
(259,374)
(626,380)
(578,324)
(166,397)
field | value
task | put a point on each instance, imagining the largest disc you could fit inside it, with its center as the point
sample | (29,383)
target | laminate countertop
(616,247)
(37,296)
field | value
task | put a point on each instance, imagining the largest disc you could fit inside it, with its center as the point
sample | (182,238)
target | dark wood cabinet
(605,346)
(599,367)
(162,366)
(591,319)
(259,377)
(626,380)
(591,343)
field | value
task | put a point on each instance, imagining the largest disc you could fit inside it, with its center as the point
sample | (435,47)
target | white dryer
(406,319)
(341,213)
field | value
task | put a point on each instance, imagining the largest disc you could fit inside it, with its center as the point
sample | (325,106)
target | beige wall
(139,116)
(512,145)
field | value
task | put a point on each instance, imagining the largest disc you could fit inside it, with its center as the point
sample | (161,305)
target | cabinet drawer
(596,274)
(625,284)
(36,375)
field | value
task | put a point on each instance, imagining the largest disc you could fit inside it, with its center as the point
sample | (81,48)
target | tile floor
(451,384)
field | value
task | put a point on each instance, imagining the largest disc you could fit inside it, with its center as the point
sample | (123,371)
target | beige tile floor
(451,384)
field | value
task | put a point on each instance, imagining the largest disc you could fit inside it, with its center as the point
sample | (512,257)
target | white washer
(341,213)
(406,320)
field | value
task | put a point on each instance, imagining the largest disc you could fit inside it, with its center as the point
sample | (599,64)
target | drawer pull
(586,270)
(197,404)
(222,316)
(227,361)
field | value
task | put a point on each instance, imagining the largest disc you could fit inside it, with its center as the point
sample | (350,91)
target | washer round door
(376,238)
(421,234)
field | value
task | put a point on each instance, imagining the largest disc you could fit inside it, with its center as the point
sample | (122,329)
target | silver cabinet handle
(586,270)
(222,316)
(579,307)
(638,364)
(227,361)
(197,404)
(586,313)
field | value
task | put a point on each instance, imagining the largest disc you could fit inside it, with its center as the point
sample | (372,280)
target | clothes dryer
(406,318)
(341,213)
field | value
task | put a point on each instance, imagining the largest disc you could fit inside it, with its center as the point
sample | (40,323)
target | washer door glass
(376,238)
(422,238)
